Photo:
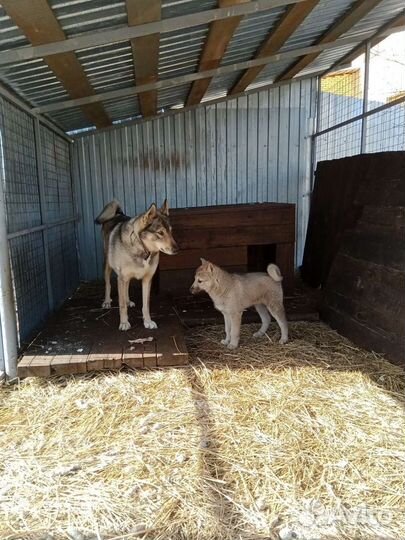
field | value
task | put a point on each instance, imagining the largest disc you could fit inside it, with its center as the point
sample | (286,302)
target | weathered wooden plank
(333,210)
(388,191)
(234,236)
(132,355)
(24,364)
(287,25)
(364,336)
(40,366)
(150,351)
(382,316)
(388,218)
(341,26)
(232,216)
(145,50)
(78,361)
(384,249)
(60,364)
(372,283)
(219,36)
(171,344)
(190,258)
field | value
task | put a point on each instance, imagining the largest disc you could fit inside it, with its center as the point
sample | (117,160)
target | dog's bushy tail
(108,212)
(274,272)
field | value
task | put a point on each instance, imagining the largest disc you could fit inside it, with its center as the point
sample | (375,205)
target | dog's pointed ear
(165,208)
(207,265)
(150,214)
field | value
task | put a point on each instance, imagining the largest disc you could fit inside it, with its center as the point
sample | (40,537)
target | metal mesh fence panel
(385,130)
(342,98)
(20,169)
(386,71)
(63,261)
(29,283)
(342,95)
(33,235)
(341,142)
(57,179)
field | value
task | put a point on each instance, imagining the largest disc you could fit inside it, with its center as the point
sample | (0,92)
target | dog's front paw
(124,326)
(150,324)
(106,304)
(258,334)
(130,303)
(283,340)
(232,346)
(224,341)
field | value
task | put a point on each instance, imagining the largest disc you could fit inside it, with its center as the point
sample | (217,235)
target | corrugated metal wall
(39,225)
(250,149)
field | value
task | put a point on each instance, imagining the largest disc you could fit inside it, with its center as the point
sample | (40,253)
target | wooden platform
(82,337)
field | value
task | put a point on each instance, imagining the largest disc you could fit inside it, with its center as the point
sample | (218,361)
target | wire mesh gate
(38,210)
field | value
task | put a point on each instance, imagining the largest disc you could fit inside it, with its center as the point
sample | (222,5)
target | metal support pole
(7,303)
(45,233)
(317,124)
(363,144)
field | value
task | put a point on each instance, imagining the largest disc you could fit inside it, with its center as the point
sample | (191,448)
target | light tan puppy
(233,293)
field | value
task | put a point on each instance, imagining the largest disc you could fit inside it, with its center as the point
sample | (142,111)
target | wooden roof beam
(39,24)
(359,10)
(219,36)
(289,22)
(145,50)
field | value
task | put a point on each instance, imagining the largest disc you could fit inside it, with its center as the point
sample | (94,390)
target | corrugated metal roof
(111,67)
(10,35)
(180,52)
(250,34)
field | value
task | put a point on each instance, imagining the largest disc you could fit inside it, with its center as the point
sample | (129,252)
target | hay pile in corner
(305,440)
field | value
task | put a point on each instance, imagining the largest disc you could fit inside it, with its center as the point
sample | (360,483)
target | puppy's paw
(124,326)
(130,303)
(106,304)
(224,341)
(282,340)
(232,346)
(150,324)
(258,334)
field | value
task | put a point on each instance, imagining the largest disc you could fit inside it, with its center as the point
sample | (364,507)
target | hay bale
(267,441)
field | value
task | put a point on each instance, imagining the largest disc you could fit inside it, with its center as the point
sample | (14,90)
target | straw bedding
(305,440)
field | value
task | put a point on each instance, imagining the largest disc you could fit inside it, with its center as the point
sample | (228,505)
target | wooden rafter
(289,22)
(39,24)
(145,50)
(349,19)
(219,36)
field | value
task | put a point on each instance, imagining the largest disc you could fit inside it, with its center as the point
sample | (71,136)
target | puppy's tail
(108,212)
(274,272)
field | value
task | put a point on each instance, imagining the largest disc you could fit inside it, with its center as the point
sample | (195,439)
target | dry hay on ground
(262,442)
